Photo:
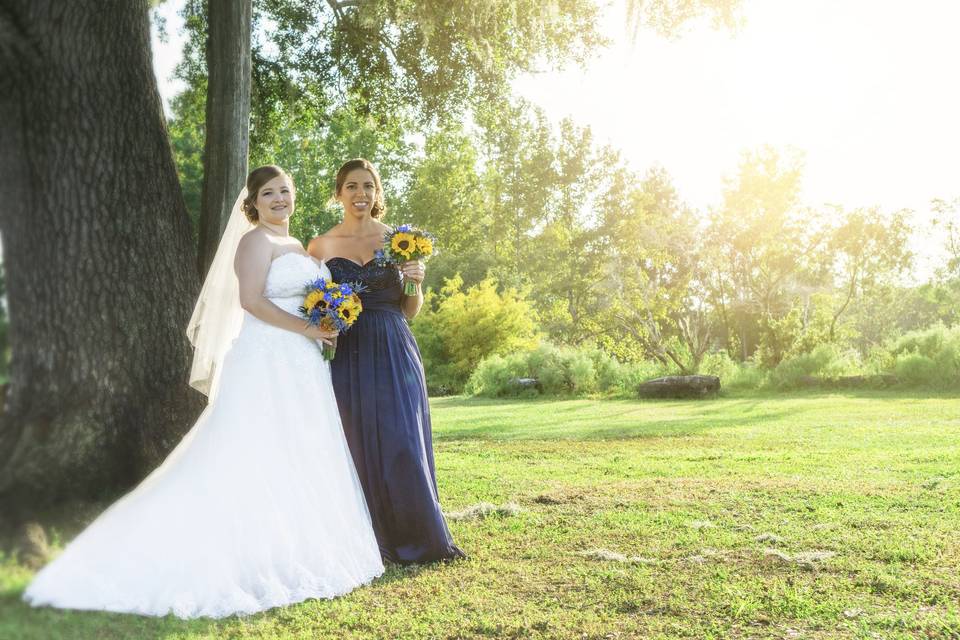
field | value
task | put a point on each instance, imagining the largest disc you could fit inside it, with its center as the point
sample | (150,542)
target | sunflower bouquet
(330,306)
(403,244)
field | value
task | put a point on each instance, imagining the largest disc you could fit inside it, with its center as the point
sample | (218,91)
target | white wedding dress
(258,506)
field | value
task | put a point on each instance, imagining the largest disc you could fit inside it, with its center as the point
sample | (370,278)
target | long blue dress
(379,383)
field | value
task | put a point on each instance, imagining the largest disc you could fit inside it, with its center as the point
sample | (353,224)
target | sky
(866,90)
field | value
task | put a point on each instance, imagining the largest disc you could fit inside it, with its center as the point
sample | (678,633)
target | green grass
(683,490)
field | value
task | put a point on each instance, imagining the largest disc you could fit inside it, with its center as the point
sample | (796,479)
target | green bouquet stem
(409,288)
(329,351)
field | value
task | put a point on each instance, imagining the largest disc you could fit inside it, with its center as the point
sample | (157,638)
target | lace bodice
(287,278)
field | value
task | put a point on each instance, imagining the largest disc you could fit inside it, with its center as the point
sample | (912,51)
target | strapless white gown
(258,506)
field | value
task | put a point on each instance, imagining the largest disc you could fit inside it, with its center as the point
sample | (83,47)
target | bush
(927,342)
(720,364)
(494,375)
(747,376)
(732,374)
(915,369)
(561,370)
(826,361)
(457,329)
(565,371)
(929,357)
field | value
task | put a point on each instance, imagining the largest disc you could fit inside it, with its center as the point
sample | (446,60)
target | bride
(259,505)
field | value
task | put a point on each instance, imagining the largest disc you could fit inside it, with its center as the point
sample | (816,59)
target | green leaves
(461,327)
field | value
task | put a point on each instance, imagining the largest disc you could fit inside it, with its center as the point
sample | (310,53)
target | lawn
(807,516)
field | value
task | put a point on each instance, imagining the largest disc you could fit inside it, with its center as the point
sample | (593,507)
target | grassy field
(808,516)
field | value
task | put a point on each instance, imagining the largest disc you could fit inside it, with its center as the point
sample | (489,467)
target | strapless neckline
(353,262)
(294,253)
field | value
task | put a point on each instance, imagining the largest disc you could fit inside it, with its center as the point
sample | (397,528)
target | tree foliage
(467,325)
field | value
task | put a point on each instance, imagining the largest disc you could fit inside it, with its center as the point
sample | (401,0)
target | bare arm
(252,265)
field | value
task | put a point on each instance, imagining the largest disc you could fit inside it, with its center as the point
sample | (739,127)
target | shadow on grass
(888,395)
(19,620)
(460,418)
(591,420)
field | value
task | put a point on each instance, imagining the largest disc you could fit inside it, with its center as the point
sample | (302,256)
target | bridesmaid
(379,382)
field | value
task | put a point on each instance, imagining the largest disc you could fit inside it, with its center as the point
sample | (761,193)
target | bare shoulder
(316,246)
(254,243)
(254,237)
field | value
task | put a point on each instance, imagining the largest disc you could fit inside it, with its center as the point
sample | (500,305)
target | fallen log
(680,387)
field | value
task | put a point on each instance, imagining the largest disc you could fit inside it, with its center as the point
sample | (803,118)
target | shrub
(561,371)
(457,329)
(916,369)
(746,376)
(929,357)
(821,362)
(494,375)
(720,364)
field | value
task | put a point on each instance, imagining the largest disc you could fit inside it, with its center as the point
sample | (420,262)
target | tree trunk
(850,291)
(100,270)
(227,120)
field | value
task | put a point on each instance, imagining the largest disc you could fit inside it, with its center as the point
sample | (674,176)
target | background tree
(445,195)
(566,267)
(519,180)
(95,232)
(652,248)
(227,120)
(668,17)
(869,249)
(946,223)
(766,248)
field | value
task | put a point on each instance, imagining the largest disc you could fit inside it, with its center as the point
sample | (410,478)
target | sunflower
(424,245)
(349,311)
(313,299)
(403,243)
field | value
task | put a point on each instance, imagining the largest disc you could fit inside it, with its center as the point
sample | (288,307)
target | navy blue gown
(382,395)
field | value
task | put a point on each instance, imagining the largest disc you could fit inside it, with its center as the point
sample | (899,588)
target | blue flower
(405,228)
(345,289)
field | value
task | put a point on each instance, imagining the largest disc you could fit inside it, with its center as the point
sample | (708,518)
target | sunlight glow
(866,90)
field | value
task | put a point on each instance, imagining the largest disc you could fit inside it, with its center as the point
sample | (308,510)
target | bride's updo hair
(257,178)
(379,207)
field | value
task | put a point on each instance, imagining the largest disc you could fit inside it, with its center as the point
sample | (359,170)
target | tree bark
(99,263)
(227,120)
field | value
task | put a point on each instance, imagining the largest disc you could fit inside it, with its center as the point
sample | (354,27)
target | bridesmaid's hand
(322,335)
(414,270)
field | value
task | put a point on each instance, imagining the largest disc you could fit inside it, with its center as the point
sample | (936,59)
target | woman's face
(275,200)
(358,193)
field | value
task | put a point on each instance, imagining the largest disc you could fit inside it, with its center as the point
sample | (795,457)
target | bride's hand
(323,335)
